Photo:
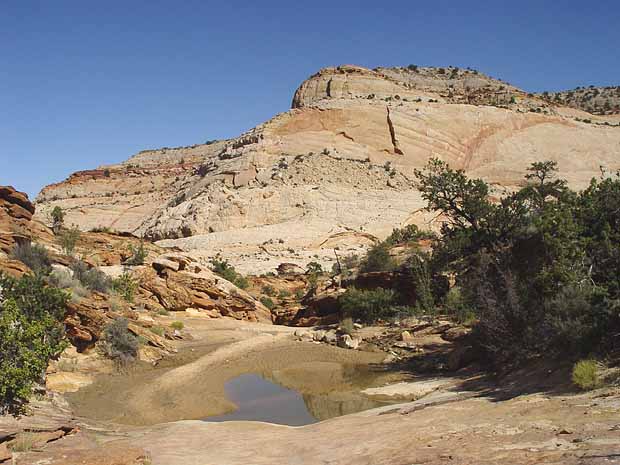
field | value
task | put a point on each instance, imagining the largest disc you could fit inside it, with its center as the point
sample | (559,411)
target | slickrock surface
(337,168)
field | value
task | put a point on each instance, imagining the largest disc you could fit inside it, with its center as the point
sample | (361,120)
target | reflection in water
(261,400)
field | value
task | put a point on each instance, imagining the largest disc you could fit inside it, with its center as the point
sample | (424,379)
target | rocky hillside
(337,170)
(595,100)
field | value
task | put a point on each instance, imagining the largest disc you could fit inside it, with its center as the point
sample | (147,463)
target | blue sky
(86,82)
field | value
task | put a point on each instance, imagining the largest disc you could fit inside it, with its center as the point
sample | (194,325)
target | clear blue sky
(90,82)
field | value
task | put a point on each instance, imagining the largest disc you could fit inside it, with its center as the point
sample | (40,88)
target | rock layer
(338,166)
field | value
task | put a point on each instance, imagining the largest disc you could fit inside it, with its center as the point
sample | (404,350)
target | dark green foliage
(91,278)
(410,233)
(314,268)
(378,258)
(31,333)
(34,256)
(138,254)
(125,286)
(267,302)
(418,270)
(119,343)
(541,266)
(369,305)
(228,272)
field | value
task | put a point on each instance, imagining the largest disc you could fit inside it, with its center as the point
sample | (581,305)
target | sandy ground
(530,418)
(191,385)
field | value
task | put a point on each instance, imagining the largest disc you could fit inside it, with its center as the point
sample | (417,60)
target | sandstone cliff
(336,170)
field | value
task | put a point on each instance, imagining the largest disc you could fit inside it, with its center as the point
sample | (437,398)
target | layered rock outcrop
(338,169)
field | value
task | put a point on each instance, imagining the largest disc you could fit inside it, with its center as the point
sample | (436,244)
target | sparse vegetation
(91,278)
(585,375)
(58,218)
(125,286)
(119,343)
(269,290)
(68,239)
(137,255)
(178,325)
(267,302)
(228,272)
(34,256)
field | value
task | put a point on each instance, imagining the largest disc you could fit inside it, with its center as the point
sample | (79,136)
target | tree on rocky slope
(31,333)
(539,266)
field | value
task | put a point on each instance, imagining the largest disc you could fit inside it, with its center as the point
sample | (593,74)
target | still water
(261,400)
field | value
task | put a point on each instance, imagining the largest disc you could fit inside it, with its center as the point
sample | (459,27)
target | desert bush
(31,334)
(119,343)
(267,302)
(299,294)
(346,325)
(178,325)
(137,255)
(163,312)
(269,290)
(91,278)
(68,240)
(314,268)
(125,286)
(64,280)
(159,330)
(585,375)
(34,256)
(368,305)
(58,218)
(228,272)
(409,233)
(284,293)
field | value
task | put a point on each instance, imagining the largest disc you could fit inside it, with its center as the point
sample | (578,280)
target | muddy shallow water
(325,379)
(259,399)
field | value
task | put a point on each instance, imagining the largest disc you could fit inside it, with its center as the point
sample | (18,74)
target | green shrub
(68,240)
(228,272)
(119,343)
(456,306)
(34,256)
(125,286)
(178,325)
(163,312)
(138,254)
(267,302)
(586,375)
(91,278)
(58,218)
(409,233)
(314,268)
(378,258)
(160,331)
(269,290)
(368,305)
(541,265)
(284,293)
(299,294)
(346,325)
(31,334)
